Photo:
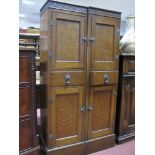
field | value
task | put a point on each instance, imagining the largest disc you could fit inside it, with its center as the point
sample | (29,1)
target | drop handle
(89,107)
(67,79)
(106,79)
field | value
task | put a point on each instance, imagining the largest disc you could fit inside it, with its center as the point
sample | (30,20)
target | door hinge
(50,55)
(50,100)
(115,93)
(50,136)
(51,23)
(85,39)
(116,57)
(118,30)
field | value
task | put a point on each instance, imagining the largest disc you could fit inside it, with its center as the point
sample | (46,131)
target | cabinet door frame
(106,131)
(52,117)
(68,16)
(108,64)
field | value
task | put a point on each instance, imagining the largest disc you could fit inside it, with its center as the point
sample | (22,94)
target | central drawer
(103,77)
(129,65)
(67,78)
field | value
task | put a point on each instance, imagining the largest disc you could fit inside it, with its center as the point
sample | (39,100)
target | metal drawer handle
(106,79)
(67,79)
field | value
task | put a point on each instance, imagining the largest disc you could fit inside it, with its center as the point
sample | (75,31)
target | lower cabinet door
(101,111)
(66,114)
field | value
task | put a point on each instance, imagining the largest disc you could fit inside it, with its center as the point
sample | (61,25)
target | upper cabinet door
(67,45)
(104,39)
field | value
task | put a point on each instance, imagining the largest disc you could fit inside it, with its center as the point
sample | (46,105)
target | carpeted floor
(127,148)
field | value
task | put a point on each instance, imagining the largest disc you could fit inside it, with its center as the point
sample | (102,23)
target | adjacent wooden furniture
(79,73)
(125,120)
(28,136)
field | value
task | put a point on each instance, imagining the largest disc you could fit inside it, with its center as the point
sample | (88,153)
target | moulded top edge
(63,6)
(77,8)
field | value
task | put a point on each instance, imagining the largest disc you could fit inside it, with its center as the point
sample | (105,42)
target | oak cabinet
(125,120)
(79,72)
(28,135)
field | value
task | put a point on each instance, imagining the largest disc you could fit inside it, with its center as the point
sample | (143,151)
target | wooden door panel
(128,104)
(25,135)
(101,117)
(66,118)
(24,69)
(24,101)
(132,103)
(104,50)
(67,44)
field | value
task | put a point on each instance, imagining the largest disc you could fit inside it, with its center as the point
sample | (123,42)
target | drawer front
(25,135)
(25,101)
(103,78)
(128,65)
(67,78)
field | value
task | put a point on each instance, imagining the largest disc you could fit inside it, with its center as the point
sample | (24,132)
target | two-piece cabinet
(79,73)
(28,135)
(125,117)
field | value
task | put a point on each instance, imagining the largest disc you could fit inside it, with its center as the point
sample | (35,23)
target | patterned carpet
(127,148)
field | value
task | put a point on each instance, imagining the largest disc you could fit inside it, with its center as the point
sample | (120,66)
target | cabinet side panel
(44,47)
(44,36)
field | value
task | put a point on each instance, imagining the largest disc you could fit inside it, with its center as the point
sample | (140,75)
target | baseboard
(82,148)
(99,144)
(125,138)
(74,149)
(33,150)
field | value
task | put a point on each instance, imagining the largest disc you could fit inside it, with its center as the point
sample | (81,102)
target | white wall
(127,7)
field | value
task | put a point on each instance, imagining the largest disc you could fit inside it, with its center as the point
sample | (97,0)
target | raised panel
(101,110)
(25,102)
(104,45)
(67,44)
(101,117)
(125,105)
(25,135)
(67,119)
(24,69)
(104,49)
(68,40)
(132,103)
